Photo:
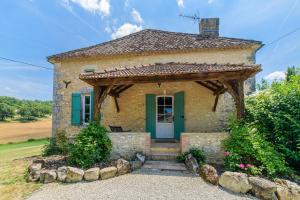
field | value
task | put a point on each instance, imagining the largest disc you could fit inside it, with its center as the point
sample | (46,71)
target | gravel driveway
(143,184)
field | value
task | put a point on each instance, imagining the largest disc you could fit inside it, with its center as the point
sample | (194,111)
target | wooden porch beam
(206,86)
(216,103)
(170,78)
(236,89)
(117,104)
(100,93)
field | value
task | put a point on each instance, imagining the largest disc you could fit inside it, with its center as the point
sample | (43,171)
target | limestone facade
(199,101)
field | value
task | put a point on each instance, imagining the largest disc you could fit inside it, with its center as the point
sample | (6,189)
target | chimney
(209,27)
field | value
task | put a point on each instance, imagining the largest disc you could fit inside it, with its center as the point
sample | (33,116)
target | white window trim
(83,107)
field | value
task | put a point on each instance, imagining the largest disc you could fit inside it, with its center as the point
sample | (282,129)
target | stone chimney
(209,27)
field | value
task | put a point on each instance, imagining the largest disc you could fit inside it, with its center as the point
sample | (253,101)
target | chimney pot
(209,27)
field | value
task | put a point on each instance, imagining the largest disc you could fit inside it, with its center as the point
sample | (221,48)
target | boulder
(191,163)
(47,176)
(209,174)
(123,166)
(140,157)
(74,175)
(287,190)
(92,174)
(34,172)
(136,164)
(61,173)
(108,172)
(262,188)
(234,181)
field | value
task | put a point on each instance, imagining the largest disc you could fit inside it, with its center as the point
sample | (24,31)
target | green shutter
(76,107)
(178,114)
(92,105)
(151,115)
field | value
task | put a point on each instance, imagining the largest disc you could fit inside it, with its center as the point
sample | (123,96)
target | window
(164,109)
(86,108)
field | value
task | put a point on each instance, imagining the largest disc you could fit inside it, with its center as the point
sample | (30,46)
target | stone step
(165,149)
(163,156)
(164,165)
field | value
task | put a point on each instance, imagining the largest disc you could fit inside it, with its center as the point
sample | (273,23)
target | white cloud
(277,75)
(107,29)
(180,3)
(126,3)
(21,87)
(95,6)
(136,16)
(126,29)
(210,1)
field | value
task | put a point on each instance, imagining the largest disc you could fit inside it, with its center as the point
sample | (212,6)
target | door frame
(156,114)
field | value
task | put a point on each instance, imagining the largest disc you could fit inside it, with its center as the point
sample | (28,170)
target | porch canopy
(218,78)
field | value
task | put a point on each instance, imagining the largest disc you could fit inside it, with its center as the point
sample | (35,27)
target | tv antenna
(195,17)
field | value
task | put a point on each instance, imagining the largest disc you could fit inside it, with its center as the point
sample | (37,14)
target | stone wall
(210,143)
(126,144)
(199,100)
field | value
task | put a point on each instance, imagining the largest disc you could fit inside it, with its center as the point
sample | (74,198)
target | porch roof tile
(171,68)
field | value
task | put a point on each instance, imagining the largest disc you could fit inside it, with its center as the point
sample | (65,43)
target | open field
(13,166)
(18,131)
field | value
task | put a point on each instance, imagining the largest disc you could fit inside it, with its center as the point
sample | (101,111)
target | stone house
(160,85)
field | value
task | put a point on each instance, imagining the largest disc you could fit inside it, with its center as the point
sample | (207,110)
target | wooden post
(117,104)
(236,89)
(97,91)
(100,93)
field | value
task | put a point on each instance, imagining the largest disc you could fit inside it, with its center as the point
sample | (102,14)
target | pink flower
(249,165)
(226,153)
(242,166)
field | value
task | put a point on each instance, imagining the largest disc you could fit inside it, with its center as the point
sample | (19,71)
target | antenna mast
(195,17)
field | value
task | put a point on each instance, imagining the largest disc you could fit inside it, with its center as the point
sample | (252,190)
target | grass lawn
(13,166)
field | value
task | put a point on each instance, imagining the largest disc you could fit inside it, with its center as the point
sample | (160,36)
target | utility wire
(283,36)
(25,63)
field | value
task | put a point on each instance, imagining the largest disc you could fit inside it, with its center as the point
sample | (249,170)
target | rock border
(68,174)
(259,187)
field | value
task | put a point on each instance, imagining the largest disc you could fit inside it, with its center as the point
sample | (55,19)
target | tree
(6,111)
(291,71)
(264,85)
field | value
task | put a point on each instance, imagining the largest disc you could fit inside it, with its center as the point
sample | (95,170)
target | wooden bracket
(236,89)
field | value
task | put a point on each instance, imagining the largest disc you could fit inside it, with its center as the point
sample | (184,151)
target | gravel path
(138,185)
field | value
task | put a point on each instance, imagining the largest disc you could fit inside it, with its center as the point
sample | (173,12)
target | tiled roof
(170,69)
(149,41)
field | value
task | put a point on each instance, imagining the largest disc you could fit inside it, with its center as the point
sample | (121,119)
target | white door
(164,117)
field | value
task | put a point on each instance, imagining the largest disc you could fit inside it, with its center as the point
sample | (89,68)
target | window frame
(83,104)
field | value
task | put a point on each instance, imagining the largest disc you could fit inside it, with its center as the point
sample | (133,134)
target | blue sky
(31,30)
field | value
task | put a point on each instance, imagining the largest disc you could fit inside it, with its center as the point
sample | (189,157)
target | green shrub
(275,112)
(248,151)
(58,145)
(91,145)
(198,154)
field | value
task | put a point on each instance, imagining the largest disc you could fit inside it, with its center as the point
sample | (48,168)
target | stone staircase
(163,157)
(164,151)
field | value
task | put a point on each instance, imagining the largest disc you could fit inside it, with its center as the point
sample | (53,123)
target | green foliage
(275,112)
(58,145)
(248,151)
(198,154)
(263,85)
(6,111)
(292,71)
(28,110)
(91,145)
